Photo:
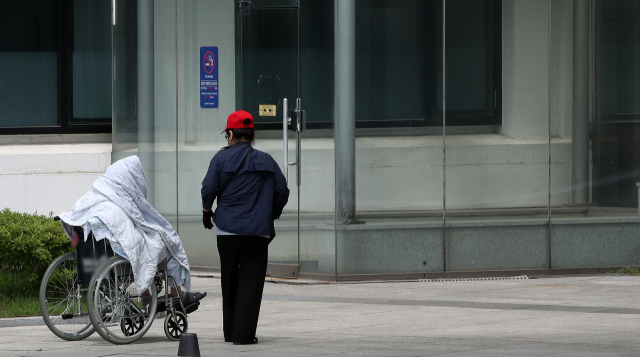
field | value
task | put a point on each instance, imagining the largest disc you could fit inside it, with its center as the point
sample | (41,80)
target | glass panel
(258,64)
(618,108)
(396,49)
(29,63)
(270,36)
(595,209)
(473,62)
(145,96)
(398,53)
(269,71)
(317,205)
(497,181)
(162,129)
(317,63)
(268,61)
(125,80)
(91,62)
(202,23)
(395,223)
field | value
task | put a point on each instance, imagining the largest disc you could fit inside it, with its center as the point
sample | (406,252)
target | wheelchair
(93,289)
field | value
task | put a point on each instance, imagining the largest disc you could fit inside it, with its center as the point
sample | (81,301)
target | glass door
(267,86)
(124,60)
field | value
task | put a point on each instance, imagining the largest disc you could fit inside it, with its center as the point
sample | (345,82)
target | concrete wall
(481,245)
(49,178)
(525,66)
(561,70)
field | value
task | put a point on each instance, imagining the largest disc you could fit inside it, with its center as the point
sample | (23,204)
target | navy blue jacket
(253,199)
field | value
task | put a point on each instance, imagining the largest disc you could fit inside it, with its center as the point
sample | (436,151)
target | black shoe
(255,341)
(192,297)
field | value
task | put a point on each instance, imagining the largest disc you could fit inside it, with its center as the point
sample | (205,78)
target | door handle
(113,12)
(297,123)
(285,139)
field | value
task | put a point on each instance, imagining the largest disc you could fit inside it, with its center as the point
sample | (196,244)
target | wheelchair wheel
(63,301)
(118,311)
(130,326)
(175,325)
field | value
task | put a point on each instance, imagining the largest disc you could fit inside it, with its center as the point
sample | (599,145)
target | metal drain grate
(577,276)
(519,277)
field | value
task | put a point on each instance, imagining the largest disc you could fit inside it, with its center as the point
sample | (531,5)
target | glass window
(399,62)
(271,46)
(316,62)
(620,53)
(55,66)
(399,54)
(91,62)
(28,63)
(616,140)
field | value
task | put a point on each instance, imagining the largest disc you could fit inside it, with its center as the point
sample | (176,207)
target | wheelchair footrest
(188,309)
(192,307)
(162,304)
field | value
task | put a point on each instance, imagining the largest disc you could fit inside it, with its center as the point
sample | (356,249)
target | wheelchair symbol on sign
(209,62)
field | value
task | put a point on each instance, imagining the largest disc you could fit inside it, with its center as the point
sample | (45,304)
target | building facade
(437,136)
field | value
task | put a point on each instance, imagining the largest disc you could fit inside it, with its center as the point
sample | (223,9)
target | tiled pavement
(573,316)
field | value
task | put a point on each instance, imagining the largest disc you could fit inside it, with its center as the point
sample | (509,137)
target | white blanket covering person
(119,201)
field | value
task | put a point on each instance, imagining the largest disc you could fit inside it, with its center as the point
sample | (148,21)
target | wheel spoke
(60,297)
(56,306)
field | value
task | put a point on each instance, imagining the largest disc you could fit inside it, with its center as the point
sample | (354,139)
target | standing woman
(251,192)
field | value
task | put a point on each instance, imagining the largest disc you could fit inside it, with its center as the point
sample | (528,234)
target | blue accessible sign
(208,77)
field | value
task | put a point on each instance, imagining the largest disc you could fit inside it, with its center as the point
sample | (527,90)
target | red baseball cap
(239,120)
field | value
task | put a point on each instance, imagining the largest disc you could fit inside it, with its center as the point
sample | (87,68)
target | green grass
(20,286)
(629,270)
(19,298)
(18,306)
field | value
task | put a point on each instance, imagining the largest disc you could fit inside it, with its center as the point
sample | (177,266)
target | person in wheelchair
(115,214)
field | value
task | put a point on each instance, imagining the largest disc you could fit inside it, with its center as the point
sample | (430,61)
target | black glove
(207,216)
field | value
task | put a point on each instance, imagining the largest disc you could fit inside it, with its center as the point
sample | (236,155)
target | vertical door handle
(285,139)
(113,12)
(296,123)
(299,125)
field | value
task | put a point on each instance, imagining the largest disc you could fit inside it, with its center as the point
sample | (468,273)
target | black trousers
(243,264)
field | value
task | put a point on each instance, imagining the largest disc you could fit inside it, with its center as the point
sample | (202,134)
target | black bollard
(189,345)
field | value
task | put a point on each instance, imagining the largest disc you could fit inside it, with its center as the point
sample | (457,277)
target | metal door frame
(242,9)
